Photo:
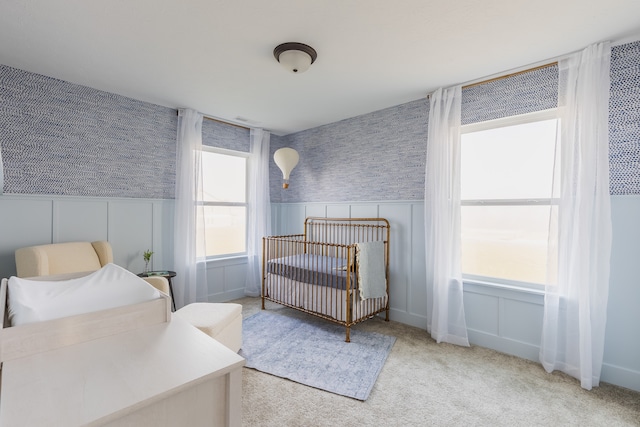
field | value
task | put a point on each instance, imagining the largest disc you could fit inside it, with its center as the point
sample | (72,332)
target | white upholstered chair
(221,321)
(68,258)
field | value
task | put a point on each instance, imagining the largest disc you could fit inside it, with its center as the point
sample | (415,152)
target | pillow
(112,286)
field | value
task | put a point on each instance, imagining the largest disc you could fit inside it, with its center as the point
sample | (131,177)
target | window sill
(528,289)
(226,260)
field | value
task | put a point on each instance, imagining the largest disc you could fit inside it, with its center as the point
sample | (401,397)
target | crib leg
(263,302)
(386,317)
(348,339)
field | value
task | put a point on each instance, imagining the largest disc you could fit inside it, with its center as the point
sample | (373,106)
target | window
(506,191)
(225,202)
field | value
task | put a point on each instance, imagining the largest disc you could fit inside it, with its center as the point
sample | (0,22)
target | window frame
(203,203)
(536,116)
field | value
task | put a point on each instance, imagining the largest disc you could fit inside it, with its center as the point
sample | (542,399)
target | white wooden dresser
(129,366)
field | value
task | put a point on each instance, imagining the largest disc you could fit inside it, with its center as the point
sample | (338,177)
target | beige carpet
(429,384)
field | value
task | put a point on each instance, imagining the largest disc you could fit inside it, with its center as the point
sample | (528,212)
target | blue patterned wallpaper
(536,90)
(66,139)
(381,155)
(624,119)
(377,156)
(220,135)
(60,138)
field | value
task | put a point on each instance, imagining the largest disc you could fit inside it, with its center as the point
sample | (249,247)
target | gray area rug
(313,352)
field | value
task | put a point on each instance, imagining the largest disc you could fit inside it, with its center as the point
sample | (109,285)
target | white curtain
(259,212)
(575,309)
(445,315)
(190,283)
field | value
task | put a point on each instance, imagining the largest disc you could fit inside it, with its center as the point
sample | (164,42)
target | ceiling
(217,56)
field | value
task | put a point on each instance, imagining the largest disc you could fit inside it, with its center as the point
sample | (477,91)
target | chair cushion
(210,318)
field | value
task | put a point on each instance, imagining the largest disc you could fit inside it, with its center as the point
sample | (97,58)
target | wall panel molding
(131,225)
(501,318)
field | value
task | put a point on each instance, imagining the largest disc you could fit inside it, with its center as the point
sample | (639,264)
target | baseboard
(504,345)
(611,374)
(408,318)
(226,296)
(619,376)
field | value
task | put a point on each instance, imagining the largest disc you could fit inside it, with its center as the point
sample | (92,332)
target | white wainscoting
(507,320)
(226,279)
(503,319)
(131,225)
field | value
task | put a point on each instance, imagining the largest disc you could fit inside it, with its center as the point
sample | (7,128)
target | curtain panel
(445,314)
(190,284)
(259,211)
(575,308)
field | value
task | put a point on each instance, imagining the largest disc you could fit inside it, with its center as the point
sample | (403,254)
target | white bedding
(112,286)
(371,274)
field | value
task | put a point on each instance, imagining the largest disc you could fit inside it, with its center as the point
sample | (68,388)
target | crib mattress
(316,269)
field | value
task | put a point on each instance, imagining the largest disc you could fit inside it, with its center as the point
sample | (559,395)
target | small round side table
(167,275)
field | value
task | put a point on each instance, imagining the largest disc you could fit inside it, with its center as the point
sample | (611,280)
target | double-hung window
(507,172)
(224,176)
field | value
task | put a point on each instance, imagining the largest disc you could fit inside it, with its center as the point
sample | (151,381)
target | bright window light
(225,203)
(507,204)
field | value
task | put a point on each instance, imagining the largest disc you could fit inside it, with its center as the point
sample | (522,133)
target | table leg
(173,302)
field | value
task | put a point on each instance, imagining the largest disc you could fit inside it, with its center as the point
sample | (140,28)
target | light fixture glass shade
(295,57)
(286,159)
(295,61)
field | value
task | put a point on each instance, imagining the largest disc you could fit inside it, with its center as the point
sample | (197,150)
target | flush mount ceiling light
(295,57)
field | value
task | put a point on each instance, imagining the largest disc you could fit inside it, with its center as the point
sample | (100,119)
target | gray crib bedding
(315,269)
